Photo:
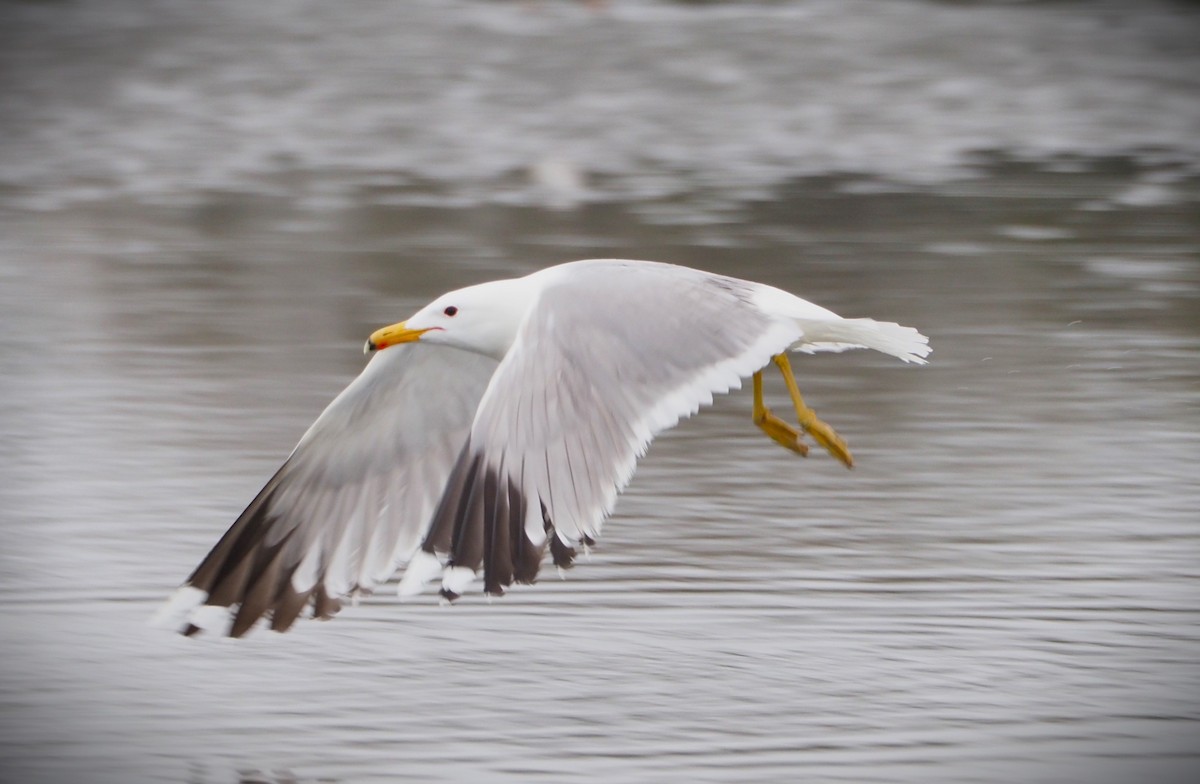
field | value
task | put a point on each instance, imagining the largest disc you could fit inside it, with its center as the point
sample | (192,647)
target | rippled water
(203,213)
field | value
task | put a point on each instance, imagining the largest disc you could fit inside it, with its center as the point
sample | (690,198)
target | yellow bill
(391,335)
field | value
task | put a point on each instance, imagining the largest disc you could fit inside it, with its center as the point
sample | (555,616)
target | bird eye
(450,311)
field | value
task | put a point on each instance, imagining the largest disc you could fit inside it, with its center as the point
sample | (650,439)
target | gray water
(206,207)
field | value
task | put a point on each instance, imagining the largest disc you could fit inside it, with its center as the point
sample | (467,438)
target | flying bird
(502,420)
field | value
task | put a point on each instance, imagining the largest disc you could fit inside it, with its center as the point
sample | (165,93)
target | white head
(482,318)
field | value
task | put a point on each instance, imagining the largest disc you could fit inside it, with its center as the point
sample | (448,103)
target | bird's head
(482,318)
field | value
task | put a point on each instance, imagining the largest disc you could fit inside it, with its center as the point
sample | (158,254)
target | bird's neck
(508,303)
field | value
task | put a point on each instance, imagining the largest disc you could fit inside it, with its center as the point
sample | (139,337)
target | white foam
(653,131)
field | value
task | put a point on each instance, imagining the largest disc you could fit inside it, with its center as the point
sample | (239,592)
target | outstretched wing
(611,354)
(351,503)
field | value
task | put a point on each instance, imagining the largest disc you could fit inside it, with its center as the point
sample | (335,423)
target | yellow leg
(822,433)
(780,432)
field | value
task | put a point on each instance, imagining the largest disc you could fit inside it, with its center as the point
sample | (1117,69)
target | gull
(502,420)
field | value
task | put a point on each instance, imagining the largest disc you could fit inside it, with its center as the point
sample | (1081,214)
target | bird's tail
(841,334)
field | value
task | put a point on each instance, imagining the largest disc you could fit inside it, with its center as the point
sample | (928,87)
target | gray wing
(351,503)
(610,355)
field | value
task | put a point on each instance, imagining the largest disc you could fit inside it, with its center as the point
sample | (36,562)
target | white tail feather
(840,334)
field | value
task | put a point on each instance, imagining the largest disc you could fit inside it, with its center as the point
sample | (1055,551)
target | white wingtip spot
(457,579)
(210,618)
(423,568)
(177,611)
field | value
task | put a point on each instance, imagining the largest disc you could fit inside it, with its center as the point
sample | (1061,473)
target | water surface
(203,214)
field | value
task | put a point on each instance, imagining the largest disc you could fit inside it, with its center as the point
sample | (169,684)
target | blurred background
(205,207)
